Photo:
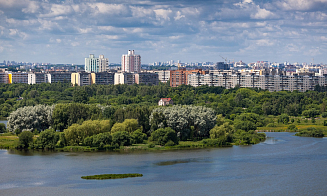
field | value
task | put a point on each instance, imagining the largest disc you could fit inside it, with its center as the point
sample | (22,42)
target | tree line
(227,102)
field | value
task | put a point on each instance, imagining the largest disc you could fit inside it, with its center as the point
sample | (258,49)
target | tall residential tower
(131,62)
(96,65)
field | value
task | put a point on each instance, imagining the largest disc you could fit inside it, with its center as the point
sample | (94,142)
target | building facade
(124,78)
(36,78)
(104,78)
(63,77)
(272,83)
(17,77)
(131,62)
(82,78)
(146,78)
(93,64)
(180,76)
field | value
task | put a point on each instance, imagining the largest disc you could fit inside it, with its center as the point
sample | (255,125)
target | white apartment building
(93,64)
(265,82)
(131,62)
(36,78)
(124,78)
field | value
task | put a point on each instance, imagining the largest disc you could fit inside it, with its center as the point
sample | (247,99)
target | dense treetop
(227,102)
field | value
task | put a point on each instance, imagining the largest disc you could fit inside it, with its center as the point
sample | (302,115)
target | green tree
(138,136)
(121,138)
(75,134)
(25,139)
(2,128)
(163,135)
(47,139)
(80,96)
(223,131)
(284,118)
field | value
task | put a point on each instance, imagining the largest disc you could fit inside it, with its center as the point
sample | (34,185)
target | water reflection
(178,161)
(270,140)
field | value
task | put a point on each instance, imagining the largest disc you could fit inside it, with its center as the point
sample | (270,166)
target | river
(282,165)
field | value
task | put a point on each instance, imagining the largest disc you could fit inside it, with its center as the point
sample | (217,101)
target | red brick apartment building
(180,76)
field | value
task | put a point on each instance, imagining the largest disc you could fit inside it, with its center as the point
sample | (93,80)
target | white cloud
(179,16)
(163,13)
(300,5)
(264,42)
(57,10)
(13,31)
(31,8)
(262,14)
(110,9)
(140,12)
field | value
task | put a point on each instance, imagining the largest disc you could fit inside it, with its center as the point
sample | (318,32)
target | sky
(67,31)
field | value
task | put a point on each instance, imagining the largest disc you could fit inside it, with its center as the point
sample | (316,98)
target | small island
(110,176)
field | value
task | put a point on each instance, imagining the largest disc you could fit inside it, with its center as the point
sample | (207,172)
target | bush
(215,142)
(100,140)
(47,139)
(163,135)
(271,125)
(284,118)
(25,139)
(324,115)
(325,122)
(310,132)
(292,127)
(170,143)
(151,145)
(2,128)
(121,138)
(76,133)
(138,136)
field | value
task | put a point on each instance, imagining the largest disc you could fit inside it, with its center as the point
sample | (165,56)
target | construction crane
(224,58)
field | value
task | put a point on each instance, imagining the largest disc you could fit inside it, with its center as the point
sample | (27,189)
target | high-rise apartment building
(82,78)
(146,78)
(131,62)
(96,65)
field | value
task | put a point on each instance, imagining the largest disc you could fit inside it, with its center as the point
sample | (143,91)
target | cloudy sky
(67,31)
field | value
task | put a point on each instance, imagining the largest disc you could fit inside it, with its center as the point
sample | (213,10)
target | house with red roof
(165,101)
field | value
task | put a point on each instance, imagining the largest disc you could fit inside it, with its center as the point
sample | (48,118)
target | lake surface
(282,165)
(4,121)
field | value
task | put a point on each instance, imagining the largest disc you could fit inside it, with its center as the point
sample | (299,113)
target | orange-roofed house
(165,101)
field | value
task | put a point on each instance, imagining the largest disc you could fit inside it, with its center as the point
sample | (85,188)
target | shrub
(325,122)
(170,143)
(284,118)
(310,132)
(163,135)
(138,136)
(151,145)
(47,139)
(121,138)
(292,127)
(25,139)
(324,115)
(2,128)
(271,125)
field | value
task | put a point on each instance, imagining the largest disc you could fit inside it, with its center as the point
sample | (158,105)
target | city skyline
(59,31)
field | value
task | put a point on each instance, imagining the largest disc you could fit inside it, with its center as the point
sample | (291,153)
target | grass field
(7,142)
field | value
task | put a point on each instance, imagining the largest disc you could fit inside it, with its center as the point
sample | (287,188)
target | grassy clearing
(110,176)
(8,142)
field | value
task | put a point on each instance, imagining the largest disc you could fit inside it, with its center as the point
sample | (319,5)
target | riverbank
(293,128)
(8,141)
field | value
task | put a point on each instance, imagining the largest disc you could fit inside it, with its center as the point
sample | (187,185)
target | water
(4,121)
(282,165)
